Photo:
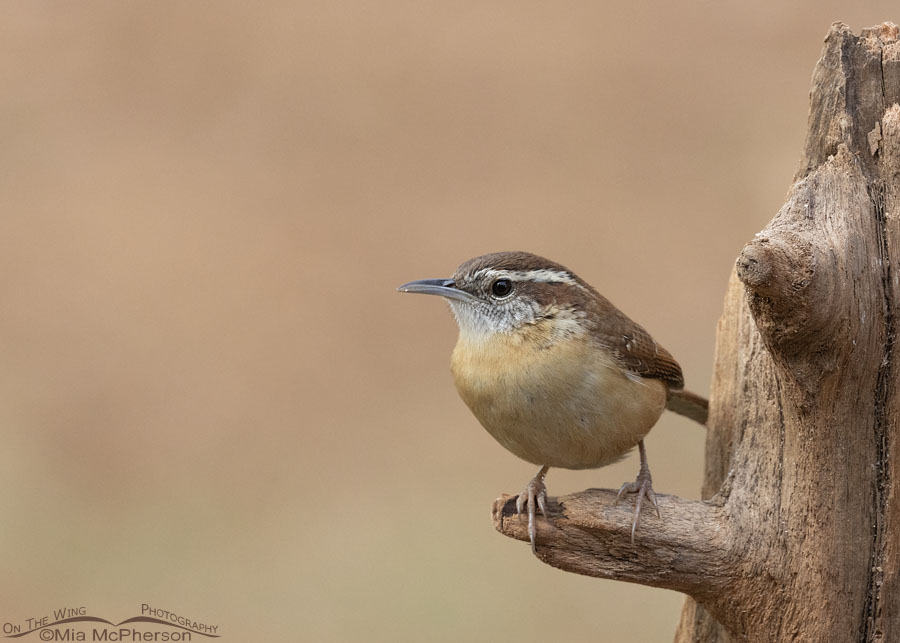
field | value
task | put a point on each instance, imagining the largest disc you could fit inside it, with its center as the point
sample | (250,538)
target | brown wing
(633,347)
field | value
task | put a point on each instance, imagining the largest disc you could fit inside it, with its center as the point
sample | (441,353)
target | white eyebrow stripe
(543,275)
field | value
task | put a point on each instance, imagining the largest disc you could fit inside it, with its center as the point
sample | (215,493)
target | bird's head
(505,292)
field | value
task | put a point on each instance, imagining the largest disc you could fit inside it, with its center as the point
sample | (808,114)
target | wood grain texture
(588,534)
(798,536)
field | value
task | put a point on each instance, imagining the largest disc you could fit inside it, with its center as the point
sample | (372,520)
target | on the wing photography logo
(76,624)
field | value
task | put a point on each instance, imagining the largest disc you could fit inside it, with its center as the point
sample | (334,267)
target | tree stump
(798,535)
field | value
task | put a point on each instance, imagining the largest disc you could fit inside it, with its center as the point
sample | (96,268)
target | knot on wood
(779,272)
(778,268)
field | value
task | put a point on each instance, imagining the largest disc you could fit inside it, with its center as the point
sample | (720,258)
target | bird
(555,372)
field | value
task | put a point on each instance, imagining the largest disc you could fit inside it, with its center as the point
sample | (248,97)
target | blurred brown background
(212,399)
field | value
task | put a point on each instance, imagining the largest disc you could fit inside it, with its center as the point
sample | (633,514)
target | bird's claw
(643,487)
(532,498)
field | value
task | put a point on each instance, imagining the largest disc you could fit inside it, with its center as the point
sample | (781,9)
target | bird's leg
(643,487)
(535,493)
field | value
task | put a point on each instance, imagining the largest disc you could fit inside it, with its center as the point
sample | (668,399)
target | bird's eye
(501,288)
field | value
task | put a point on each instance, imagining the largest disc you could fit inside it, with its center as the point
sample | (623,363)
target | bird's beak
(443,287)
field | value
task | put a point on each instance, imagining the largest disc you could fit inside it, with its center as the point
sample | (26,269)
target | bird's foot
(643,487)
(533,497)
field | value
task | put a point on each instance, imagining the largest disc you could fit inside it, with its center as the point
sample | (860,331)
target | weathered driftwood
(798,537)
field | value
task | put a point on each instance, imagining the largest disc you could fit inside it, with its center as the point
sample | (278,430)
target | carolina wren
(555,372)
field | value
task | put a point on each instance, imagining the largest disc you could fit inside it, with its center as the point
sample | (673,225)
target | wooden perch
(587,534)
(798,535)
